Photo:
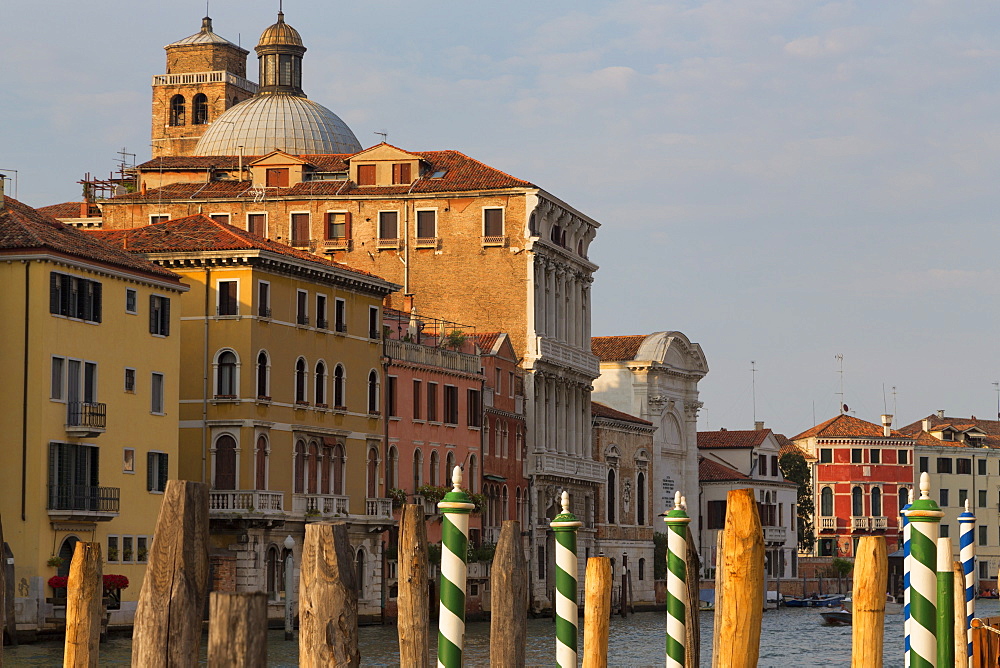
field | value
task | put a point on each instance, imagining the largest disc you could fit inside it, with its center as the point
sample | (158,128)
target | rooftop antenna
(996,388)
(7,169)
(840,358)
(206,8)
(894,402)
(885,404)
(384,134)
(753,388)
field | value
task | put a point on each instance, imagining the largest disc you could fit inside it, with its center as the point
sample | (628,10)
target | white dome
(288,123)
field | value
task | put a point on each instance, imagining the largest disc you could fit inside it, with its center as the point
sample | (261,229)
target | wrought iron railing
(86,414)
(84,497)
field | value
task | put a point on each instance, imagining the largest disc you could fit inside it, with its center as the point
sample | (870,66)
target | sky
(782,181)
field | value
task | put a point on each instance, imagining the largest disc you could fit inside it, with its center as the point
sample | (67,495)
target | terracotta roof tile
(724,438)
(201,233)
(487,340)
(616,348)
(991,428)
(846,426)
(600,410)
(788,447)
(68,210)
(711,471)
(25,229)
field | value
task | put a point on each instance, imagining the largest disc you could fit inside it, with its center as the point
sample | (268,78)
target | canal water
(790,638)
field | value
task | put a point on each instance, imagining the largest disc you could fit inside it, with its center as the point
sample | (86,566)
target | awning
(494,478)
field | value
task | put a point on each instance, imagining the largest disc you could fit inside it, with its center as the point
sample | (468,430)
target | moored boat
(836,618)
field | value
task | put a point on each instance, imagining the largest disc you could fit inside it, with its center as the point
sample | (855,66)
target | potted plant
(398,497)
(113,585)
(55,562)
(58,584)
(112,554)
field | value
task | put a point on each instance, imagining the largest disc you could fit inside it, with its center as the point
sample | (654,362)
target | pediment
(278,158)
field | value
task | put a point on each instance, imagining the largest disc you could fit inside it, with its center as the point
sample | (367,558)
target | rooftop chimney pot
(926,425)
(940,414)
(758,425)
(887,425)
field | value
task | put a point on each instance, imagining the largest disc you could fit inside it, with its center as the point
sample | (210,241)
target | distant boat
(815,601)
(891,607)
(836,618)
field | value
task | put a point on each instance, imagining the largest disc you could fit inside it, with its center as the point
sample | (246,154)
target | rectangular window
(982,498)
(416,399)
(475,408)
(944,465)
(387,225)
(257,224)
(113,555)
(875,456)
(130,381)
(263,299)
(984,570)
(159,315)
(391,397)
(499,382)
(89,382)
(925,465)
(981,465)
(228,302)
(945,533)
(300,229)
(128,554)
(157,218)
(220,218)
(128,460)
(432,392)
(276,177)
(903,456)
(340,315)
(73,472)
(373,322)
(321,322)
(510,386)
(943,497)
(774,465)
(963,466)
(156,396)
(963,496)
(541,562)
(302,307)
(57,391)
(493,222)
(426,224)
(74,297)
(450,404)
(141,549)
(156,471)
(401,173)
(856,456)
(762,465)
(366,175)
(825,455)
(716,514)
(337,225)
(131,301)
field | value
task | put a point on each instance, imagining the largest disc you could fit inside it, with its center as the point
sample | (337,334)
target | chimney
(940,415)
(887,425)
(408,303)
(758,425)
(3,204)
(84,209)
(926,425)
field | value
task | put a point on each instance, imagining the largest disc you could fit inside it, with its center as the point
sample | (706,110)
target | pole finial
(909,495)
(565,501)
(677,500)
(456,479)
(925,486)
(968,509)
(684,503)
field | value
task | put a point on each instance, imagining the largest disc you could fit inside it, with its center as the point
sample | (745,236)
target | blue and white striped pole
(906,577)
(967,554)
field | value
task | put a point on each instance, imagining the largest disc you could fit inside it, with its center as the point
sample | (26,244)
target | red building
(504,483)
(861,476)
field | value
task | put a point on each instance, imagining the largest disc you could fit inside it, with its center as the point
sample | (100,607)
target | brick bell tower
(206,74)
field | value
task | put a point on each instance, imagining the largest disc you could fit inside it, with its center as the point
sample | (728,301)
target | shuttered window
(300,229)
(256,223)
(426,224)
(156,471)
(716,514)
(228,304)
(366,175)
(156,394)
(159,315)
(492,222)
(387,225)
(338,225)
(75,297)
(401,173)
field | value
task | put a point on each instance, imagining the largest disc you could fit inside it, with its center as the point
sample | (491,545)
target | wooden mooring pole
(743,586)
(509,599)
(171,605)
(413,601)
(237,630)
(328,598)
(692,646)
(961,618)
(871,578)
(720,579)
(83,607)
(3,592)
(597,613)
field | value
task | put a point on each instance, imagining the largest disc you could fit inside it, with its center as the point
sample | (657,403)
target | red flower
(58,581)
(112,581)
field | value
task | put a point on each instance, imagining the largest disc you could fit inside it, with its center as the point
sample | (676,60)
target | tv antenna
(384,134)
(753,388)
(996,388)
(840,359)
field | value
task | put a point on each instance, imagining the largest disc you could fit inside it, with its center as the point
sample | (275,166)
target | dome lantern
(279,51)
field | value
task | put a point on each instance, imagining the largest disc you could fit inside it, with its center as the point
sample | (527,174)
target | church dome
(289,123)
(280,34)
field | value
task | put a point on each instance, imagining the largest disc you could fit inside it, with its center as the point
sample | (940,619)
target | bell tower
(206,74)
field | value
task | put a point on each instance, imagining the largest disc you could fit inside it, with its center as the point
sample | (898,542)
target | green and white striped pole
(946,605)
(455,508)
(565,525)
(924,516)
(677,594)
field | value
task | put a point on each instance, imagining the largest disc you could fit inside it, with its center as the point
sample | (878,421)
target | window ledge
(301,405)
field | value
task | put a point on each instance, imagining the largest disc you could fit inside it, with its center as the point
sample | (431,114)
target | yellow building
(280,396)
(90,350)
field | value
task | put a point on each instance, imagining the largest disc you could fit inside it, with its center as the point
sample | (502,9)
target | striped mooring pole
(945,605)
(565,525)
(925,516)
(906,578)
(677,593)
(455,508)
(967,555)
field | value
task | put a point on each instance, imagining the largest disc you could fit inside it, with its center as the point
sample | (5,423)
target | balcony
(828,524)
(775,534)
(229,502)
(418,353)
(337,243)
(387,244)
(880,523)
(83,502)
(859,524)
(428,242)
(263,312)
(86,419)
(430,507)
(495,241)
(379,508)
(321,323)
(218,76)
(570,467)
(302,319)
(321,505)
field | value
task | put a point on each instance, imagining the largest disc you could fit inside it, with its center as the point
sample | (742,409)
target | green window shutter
(150,463)
(97,301)
(152,314)
(165,317)
(53,292)
(163,472)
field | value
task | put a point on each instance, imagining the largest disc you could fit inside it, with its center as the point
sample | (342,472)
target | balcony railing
(859,524)
(226,501)
(86,498)
(217,76)
(337,243)
(828,524)
(775,534)
(880,523)
(495,241)
(387,243)
(86,418)
(378,508)
(321,323)
(302,319)
(321,504)
(264,311)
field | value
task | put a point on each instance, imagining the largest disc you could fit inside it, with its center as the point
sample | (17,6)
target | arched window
(418,469)
(338,386)
(904,498)
(359,572)
(504,504)
(505,441)
(517,504)
(486,436)
(435,469)
(857,503)
(612,496)
(260,463)
(300,381)
(225,384)
(320,394)
(640,498)
(473,480)
(392,468)
(313,467)
(66,554)
(325,466)
(177,106)
(233,102)
(876,502)
(299,467)
(642,569)
(262,375)
(449,466)
(199,107)
(826,502)
(372,464)
(225,462)
(372,392)
(338,469)
(273,569)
